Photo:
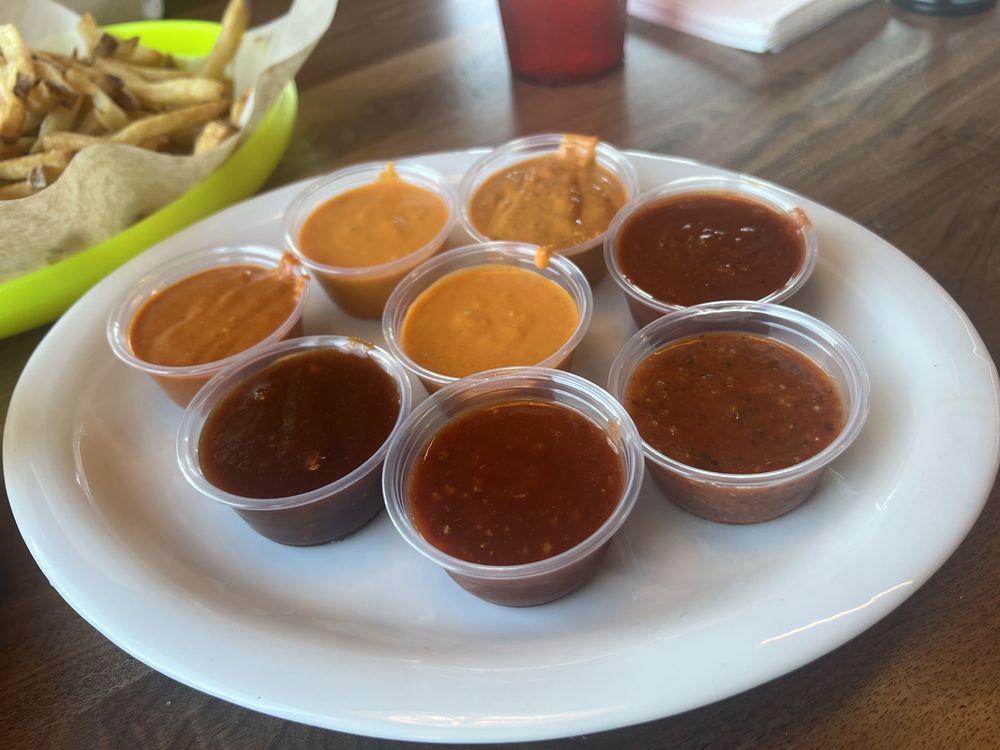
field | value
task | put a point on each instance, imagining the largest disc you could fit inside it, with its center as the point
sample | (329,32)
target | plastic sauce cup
(516,254)
(363,291)
(586,255)
(749,498)
(181,383)
(646,308)
(530,583)
(315,517)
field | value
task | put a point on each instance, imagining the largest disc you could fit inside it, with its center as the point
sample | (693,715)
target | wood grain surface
(890,118)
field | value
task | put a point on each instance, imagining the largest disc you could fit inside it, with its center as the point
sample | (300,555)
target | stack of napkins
(754,25)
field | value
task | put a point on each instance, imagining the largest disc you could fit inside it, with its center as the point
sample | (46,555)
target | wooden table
(890,118)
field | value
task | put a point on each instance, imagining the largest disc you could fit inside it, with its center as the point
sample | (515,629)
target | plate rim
(541,731)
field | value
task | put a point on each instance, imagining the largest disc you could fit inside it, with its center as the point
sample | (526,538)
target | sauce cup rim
(654,337)
(529,147)
(185,266)
(319,191)
(746,186)
(521,254)
(208,397)
(477,390)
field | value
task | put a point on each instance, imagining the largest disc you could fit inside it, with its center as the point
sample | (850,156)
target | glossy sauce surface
(515,482)
(734,403)
(376,223)
(305,421)
(489,316)
(214,314)
(712,246)
(560,199)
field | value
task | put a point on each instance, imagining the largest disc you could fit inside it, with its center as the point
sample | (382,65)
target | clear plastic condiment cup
(587,255)
(181,383)
(363,291)
(514,254)
(530,583)
(324,514)
(748,498)
(646,308)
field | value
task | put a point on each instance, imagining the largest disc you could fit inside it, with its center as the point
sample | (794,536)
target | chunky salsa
(735,403)
(514,483)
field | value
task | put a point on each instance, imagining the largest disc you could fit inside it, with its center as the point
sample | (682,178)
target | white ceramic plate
(366,636)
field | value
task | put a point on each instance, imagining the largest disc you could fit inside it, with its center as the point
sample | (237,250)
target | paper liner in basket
(108,187)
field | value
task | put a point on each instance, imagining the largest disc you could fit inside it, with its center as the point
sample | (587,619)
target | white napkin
(754,25)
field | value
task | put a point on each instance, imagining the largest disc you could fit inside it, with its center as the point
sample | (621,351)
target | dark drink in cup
(563,41)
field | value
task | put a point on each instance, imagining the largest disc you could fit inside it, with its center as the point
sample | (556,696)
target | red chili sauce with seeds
(516,482)
(713,246)
(307,420)
(734,403)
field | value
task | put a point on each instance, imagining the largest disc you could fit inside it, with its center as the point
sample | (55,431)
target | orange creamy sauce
(373,224)
(214,314)
(562,199)
(491,316)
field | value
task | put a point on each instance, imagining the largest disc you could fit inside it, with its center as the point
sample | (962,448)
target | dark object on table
(947,7)
(563,41)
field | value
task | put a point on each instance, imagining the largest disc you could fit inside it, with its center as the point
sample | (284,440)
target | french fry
(169,122)
(20,147)
(177,92)
(234,22)
(20,167)
(65,141)
(91,34)
(45,96)
(213,134)
(17,77)
(125,70)
(156,143)
(240,105)
(60,118)
(131,51)
(48,70)
(89,124)
(15,190)
(42,176)
(117,91)
(106,111)
(100,44)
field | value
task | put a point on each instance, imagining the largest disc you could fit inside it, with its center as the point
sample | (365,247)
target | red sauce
(514,483)
(713,246)
(734,403)
(307,420)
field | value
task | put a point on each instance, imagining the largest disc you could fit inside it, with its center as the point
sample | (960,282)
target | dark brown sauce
(308,420)
(713,246)
(514,483)
(734,403)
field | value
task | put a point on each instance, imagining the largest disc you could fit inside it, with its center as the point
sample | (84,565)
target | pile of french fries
(116,91)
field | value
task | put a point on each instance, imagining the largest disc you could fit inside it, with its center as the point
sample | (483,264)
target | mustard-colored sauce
(491,316)
(214,314)
(561,199)
(373,224)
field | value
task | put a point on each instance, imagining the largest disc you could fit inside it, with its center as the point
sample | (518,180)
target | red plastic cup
(563,41)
